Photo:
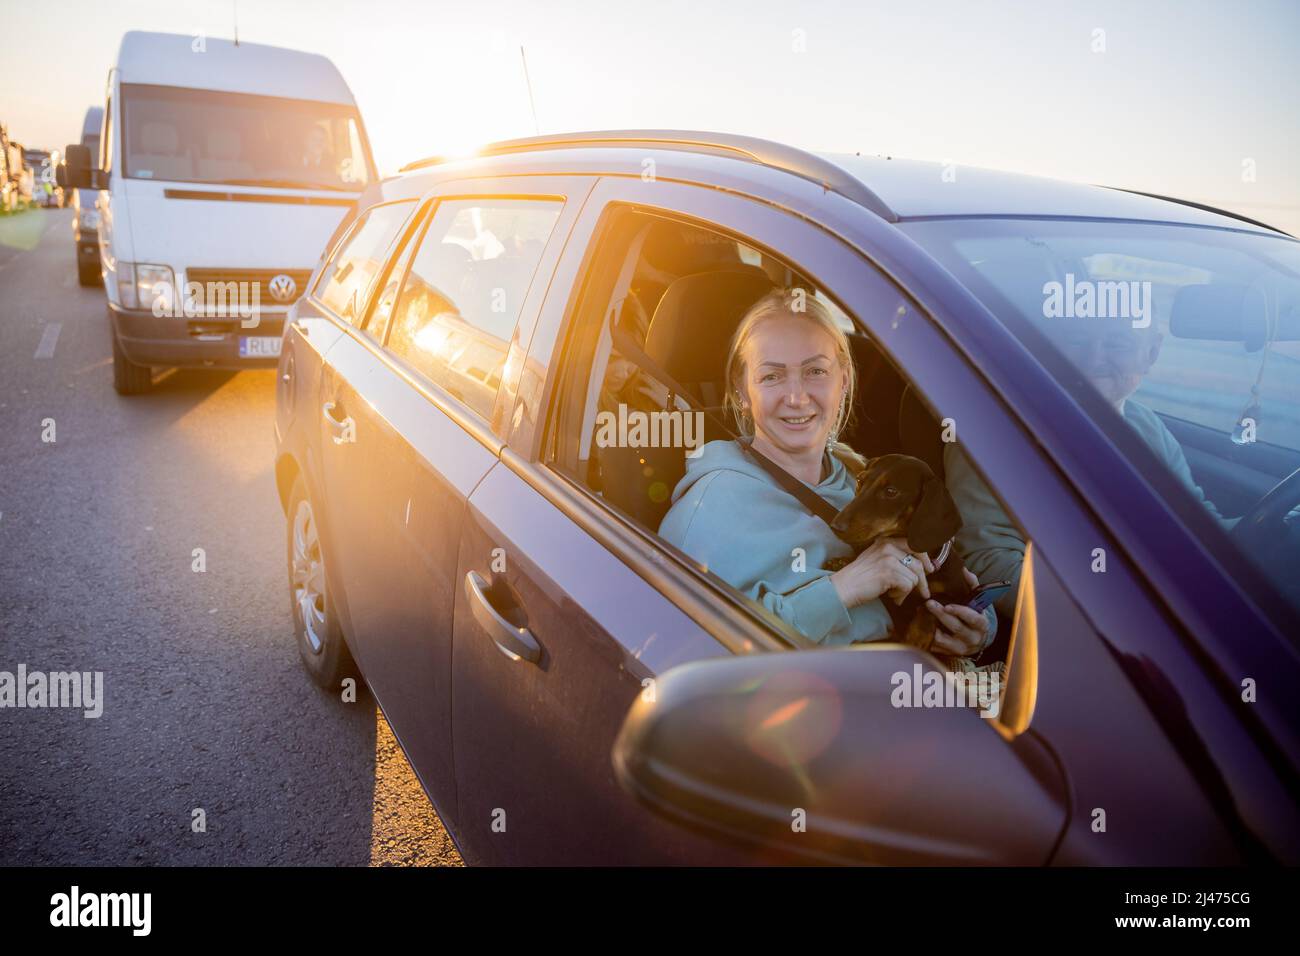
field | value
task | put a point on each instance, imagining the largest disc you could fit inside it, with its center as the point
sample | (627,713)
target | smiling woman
(790,382)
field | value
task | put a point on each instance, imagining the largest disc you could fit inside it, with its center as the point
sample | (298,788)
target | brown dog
(900,496)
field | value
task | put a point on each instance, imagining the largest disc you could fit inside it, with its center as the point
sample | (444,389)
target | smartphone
(986,594)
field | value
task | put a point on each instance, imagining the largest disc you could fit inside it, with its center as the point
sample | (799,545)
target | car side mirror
(847,755)
(78,171)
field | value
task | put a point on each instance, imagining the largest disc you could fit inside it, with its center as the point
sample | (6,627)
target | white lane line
(49,339)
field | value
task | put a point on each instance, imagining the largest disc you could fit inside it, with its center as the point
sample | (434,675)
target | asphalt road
(205,706)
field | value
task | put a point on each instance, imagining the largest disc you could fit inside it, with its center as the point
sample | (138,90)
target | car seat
(920,434)
(688,338)
(159,142)
(222,160)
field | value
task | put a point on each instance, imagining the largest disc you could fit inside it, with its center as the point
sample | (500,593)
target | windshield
(1192,337)
(202,136)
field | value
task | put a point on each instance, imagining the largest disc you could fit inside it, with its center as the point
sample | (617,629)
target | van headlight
(89,219)
(155,284)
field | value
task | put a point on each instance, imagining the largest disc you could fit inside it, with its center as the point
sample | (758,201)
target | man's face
(1110,353)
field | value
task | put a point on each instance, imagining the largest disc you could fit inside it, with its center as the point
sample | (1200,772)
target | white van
(225,168)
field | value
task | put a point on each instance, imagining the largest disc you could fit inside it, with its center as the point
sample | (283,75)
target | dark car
(572,688)
(85,215)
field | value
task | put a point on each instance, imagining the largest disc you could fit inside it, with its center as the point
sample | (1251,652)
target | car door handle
(514,642)
(344,429)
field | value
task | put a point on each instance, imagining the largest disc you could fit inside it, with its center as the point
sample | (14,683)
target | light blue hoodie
(732,516)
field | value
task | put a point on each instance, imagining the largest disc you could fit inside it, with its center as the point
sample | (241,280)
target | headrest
(223,143)
(691,329)
(919,434)
(677,249)
(159,139)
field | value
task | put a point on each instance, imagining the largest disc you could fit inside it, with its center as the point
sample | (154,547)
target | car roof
(895,189)
(916,189)
(172,59)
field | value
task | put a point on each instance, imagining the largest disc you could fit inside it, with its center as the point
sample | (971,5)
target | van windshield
(204,136)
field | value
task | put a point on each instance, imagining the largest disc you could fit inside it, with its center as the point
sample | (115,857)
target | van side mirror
(77,170)
(834,756)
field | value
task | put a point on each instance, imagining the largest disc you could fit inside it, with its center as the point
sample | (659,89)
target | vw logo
(283,288)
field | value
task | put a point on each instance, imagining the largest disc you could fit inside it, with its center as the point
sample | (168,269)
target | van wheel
(315,623)
(88,273)
(129,378)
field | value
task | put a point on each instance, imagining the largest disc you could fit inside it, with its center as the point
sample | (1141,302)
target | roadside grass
(21,229)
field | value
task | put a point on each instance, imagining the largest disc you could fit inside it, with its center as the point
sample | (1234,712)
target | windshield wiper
(280,184)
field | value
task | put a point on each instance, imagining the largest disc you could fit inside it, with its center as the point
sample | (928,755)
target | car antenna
(529,83)
(234,5)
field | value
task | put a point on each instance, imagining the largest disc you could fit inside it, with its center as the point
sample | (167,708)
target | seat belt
(814,502)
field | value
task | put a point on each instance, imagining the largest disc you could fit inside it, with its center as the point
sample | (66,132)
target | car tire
(316,626)
(129,378)
(88,273)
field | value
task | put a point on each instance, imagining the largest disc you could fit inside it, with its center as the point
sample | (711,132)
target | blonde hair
(798,303)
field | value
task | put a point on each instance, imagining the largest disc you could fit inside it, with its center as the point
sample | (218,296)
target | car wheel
(315,623)
(129,378)
(88,273)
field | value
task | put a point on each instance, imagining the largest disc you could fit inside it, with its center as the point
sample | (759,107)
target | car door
(406,409)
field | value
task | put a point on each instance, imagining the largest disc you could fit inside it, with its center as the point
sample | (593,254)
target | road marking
(49,339)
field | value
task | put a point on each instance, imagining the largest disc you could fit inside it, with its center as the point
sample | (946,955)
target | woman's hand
(887,567)
(963,632)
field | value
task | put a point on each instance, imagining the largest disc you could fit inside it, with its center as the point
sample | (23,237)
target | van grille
(261,277)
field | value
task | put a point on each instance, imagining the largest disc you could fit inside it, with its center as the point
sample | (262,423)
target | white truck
(223,168)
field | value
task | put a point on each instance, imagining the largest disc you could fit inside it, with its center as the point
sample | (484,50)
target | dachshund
(900,496)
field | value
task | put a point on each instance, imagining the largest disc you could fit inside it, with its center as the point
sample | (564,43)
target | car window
(1191,337)
(345,282)
(381,304)
(644,390)
(464,290)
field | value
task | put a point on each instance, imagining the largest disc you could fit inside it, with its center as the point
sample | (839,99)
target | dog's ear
(935,520)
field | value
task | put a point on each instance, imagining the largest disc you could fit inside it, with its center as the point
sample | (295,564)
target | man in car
(1114,356)
(316,155)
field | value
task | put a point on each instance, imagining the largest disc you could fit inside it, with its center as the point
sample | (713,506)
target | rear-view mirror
(1230,312)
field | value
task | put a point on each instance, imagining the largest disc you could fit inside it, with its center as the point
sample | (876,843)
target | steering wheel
(1261,528)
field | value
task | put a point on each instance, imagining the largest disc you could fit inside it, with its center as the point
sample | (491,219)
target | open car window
(643,388)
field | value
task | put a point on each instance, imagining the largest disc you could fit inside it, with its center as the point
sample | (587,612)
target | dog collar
(943,554)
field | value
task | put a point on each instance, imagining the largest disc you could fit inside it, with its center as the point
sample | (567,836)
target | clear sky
(1187,97)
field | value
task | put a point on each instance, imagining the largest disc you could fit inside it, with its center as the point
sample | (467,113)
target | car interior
(676,293)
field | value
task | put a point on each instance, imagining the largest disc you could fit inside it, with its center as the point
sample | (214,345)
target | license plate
(259,346)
